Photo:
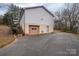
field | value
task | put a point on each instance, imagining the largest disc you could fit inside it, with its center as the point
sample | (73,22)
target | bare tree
(70,17)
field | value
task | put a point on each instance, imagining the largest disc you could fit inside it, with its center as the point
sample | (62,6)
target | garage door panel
(33,29)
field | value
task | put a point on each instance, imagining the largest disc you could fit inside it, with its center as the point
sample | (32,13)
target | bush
(16,29)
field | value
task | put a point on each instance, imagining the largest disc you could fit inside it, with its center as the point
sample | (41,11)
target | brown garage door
(33,29)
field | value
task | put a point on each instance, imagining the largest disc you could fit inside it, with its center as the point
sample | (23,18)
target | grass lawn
(5,37)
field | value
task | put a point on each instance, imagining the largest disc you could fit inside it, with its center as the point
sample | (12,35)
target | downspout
(24,22)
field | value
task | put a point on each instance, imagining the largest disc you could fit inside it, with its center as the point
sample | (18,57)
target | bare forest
(68,18)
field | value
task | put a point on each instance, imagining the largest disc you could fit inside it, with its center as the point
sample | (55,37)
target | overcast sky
(49,6)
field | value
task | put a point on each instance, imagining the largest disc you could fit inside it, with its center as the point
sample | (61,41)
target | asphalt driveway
(43,45)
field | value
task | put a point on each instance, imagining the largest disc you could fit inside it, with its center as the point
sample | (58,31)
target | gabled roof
(40,7)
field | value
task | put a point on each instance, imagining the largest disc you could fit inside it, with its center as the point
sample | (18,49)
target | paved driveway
(43,45)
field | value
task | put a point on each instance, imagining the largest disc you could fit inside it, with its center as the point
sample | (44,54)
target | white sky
(39,1)
(49,6)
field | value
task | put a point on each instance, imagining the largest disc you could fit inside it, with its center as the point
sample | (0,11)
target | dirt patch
(5,36)
(5,40)
(4,30)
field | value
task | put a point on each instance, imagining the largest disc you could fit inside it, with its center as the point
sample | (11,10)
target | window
(33,28)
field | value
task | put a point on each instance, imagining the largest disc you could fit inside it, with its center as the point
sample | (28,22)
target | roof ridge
(40,7)
(33,7)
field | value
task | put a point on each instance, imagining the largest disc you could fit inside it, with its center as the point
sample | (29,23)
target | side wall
(37,16)
(42,27)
